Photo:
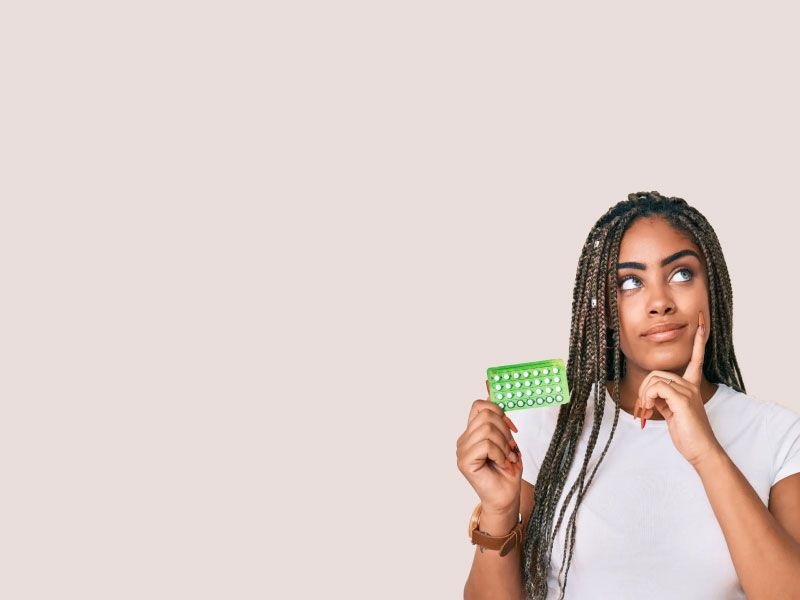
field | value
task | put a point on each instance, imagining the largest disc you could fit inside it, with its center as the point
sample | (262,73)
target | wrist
(496,531)
(710,460)
(498,523)
(501,511)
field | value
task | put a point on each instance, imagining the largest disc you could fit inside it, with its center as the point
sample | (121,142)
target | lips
(663,327)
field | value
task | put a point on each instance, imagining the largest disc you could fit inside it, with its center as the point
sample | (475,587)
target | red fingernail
(510,424)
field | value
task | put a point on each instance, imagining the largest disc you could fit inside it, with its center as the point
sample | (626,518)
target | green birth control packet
(529,385)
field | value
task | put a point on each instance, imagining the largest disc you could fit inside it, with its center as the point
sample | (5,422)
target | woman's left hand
(681,404)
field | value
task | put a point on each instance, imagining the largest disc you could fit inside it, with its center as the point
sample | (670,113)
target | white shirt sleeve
(783,426)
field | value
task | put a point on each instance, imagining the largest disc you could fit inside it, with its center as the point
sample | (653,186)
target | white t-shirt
(645,528)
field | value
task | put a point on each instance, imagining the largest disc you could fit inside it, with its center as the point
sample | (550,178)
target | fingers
(660,389)
(475,455)
(488,425)
(664,376)
(648,379)
(694,370)
(488,441)
(663,408)
(509,422)
(480,405)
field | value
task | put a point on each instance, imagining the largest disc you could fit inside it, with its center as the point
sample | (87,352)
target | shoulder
(776,427)
(744,406)
(782,428)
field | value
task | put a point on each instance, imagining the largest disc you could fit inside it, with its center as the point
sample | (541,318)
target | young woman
(698,496)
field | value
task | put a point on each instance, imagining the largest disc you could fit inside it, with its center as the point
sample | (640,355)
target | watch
(504,543)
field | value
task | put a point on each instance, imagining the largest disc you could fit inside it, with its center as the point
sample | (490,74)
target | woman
(702,502)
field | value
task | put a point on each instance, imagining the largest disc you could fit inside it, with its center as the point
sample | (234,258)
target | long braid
(599,408)
(594,353)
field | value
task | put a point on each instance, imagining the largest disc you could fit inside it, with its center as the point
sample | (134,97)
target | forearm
(766,558)
(493,576)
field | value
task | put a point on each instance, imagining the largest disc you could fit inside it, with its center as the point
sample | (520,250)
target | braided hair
(594,352)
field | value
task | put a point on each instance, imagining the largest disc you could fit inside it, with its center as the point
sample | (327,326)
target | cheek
(625,342)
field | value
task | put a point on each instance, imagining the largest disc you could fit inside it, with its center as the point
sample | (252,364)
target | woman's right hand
(486,452)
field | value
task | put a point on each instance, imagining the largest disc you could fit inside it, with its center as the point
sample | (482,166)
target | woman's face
(650,293)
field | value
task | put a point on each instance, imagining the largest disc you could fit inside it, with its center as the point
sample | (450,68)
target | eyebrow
(664,263)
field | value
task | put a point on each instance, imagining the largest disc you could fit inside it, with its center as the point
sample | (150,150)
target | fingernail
(512,457)
(510,424)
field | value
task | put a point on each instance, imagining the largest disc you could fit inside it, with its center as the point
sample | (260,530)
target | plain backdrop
(255,259)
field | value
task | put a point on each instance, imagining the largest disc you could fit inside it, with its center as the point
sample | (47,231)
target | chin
(667,361)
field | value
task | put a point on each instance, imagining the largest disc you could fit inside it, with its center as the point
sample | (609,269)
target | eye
(685,270)
(625,279)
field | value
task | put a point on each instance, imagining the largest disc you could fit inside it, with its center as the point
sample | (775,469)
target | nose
(661,302)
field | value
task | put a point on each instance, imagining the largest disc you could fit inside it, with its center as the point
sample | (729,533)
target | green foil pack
(529,385)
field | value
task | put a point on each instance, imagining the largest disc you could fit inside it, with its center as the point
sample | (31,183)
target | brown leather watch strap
(503,543)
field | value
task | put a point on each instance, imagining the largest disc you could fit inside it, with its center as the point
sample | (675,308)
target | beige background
(256,258)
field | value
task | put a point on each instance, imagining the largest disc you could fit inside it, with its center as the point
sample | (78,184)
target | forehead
(649,239)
